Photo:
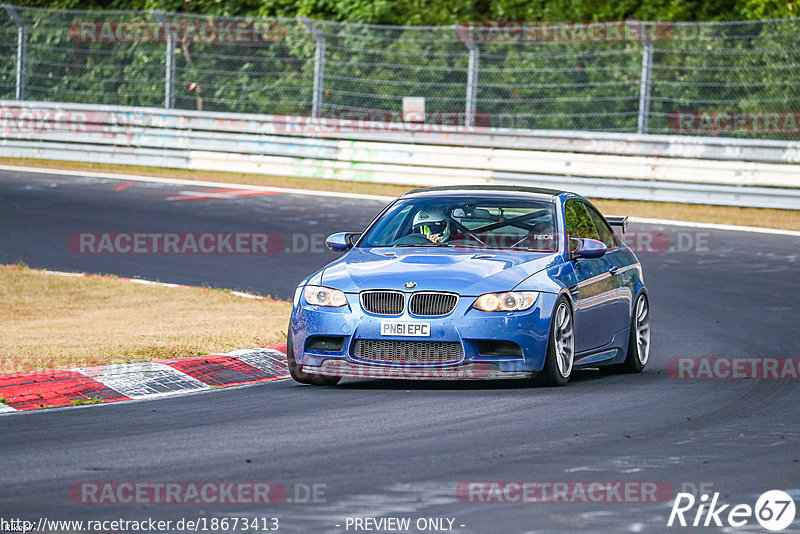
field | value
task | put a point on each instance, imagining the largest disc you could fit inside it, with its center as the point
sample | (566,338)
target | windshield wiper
(431,244)
(484,247)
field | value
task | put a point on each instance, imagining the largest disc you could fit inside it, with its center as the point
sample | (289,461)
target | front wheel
(298,375)
(560,348)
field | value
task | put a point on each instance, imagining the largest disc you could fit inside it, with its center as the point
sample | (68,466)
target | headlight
(503,302)
(324,296)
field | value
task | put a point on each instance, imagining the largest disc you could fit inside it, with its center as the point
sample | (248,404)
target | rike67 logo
(774,510)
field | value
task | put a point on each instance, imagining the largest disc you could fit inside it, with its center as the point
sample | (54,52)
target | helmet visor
(436,227)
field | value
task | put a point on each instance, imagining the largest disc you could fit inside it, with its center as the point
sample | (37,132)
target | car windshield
(469,222)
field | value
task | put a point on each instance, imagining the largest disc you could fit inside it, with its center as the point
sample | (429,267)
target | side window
(605,231)
(578,221)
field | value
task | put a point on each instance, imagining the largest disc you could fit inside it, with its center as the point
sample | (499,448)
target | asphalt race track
(389,449)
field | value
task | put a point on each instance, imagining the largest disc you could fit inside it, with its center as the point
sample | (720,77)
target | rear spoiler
(621,221)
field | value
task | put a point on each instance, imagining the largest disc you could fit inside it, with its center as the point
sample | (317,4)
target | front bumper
(474,330)
(468,371)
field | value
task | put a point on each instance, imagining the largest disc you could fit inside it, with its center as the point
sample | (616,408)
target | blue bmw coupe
(474,282)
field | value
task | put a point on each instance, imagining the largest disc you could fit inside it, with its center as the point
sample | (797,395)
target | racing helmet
(432,221)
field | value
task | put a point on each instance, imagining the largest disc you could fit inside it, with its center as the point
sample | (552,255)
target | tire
(298,375)
(638,341)
(560,347)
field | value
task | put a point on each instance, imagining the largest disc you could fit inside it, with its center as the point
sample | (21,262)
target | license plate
(393,328)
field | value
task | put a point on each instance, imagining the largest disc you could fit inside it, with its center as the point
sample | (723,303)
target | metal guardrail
(610,76)
(737,172)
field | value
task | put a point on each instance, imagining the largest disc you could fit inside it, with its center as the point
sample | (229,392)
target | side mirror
(342,241)
(586,248)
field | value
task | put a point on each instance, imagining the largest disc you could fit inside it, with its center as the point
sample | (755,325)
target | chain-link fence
(732,78)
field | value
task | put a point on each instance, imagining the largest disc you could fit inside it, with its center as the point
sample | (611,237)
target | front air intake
(408,352)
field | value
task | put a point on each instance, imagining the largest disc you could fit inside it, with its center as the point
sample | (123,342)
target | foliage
(445,12)
(744,66)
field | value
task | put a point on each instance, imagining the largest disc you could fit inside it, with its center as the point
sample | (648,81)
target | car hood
(464,271)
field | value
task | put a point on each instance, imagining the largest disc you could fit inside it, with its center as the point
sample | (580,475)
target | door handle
(613,269)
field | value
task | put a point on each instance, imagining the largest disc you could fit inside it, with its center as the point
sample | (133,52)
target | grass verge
(766,218)
(59,322)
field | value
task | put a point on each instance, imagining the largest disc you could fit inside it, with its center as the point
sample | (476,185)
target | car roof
(477,189)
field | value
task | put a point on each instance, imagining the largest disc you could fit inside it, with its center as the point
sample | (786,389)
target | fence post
(319,67)
(472,84)
(169,62)
(644,86)
(169,81)
(22,42)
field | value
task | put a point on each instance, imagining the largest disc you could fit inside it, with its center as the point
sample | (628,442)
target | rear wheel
(298,375)
(638,341)
(560,348)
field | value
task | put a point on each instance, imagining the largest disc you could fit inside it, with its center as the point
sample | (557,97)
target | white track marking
(713,226)
(247,295)
(380,198)
(195,183)
(142,281)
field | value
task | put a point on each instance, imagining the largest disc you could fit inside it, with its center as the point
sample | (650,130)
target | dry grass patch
(57,322)
(767,218)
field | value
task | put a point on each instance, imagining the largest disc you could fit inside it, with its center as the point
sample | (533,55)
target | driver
(433,223)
